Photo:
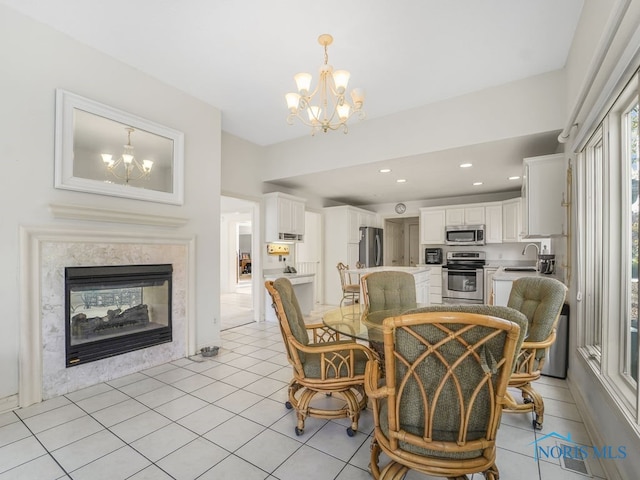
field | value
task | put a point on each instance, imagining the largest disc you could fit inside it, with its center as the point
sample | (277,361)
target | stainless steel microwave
(464,235)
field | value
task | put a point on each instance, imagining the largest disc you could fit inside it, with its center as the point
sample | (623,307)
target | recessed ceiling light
(515,177)
(401,180)
(384,170)
(475,184)
(466,165)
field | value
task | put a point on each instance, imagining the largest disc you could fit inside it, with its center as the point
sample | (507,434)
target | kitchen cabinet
(353,225)
(468,215)
(435,284)
(422,280)
(432,222)
(511,220)
(502,283)
(488,285)
(543,188)
(284,217)
(493,219)
(341,244)
(501,292)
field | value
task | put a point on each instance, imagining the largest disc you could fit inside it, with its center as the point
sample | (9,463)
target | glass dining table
(357,322)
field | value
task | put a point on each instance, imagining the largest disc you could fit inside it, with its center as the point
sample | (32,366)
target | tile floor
(236,308)
(224,418)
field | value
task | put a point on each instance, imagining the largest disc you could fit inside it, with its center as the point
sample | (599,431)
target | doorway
(402,242)
(239,255)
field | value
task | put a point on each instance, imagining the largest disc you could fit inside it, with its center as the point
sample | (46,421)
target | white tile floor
(236,308)
(224,418)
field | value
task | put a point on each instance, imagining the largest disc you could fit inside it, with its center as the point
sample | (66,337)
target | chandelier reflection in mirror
(127,167)
(332,110)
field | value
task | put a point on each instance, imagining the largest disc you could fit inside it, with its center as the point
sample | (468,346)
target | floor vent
(578,465)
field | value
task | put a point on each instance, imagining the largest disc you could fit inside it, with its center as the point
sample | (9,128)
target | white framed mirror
(103,150)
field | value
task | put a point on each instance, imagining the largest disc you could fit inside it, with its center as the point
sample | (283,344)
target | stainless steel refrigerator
(371,246)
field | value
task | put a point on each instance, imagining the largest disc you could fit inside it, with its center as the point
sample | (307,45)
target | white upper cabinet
(284,217)
(469,215)
(432,222)
(511,223)
(493,221)
(353,225)
(543,186)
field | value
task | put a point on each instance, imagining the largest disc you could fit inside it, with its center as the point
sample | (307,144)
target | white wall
(35,61)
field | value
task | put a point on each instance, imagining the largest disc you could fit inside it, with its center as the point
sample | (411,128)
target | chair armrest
(325,347)
(372,381)
(547,342)
(322,333)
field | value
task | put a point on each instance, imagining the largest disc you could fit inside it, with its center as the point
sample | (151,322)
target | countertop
(510,276)
(509,263)
(271,274)
(363,271)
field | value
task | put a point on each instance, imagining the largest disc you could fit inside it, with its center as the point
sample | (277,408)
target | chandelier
(127,167)
(332,110)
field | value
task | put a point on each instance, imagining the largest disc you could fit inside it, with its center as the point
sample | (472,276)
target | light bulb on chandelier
(332,110)
(127,167)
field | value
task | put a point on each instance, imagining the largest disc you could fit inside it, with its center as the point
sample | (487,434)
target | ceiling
(240,56)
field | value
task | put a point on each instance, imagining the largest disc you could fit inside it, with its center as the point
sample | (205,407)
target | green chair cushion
(540,299)
(431,370)
(294,315)
(390,290)
(506,313)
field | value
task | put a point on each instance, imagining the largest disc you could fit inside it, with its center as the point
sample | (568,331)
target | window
(630,149)
(608,236)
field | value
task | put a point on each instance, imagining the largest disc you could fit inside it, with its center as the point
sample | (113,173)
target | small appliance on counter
(546,263)
(433,256)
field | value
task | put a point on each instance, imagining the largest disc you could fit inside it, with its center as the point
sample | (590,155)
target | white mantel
(45,253)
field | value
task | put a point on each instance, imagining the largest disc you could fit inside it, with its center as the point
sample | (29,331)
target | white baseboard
(8,403)
(608,466)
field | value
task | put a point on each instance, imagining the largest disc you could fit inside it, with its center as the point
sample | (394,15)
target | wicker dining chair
(323,364)
(350,289)
(387,290)
(541,300)
(438,407)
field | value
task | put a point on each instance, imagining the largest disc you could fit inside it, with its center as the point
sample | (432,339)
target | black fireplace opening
(115,309)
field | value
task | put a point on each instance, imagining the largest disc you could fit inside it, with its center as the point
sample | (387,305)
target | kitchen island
(421,275)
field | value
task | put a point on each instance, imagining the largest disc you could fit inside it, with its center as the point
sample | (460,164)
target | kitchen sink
(520,269)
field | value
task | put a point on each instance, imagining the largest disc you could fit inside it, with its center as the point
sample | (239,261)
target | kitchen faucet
(524,250)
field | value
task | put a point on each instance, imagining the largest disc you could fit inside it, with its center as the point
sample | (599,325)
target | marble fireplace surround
(45,251)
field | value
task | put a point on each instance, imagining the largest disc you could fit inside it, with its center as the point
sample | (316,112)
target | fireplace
(110,310)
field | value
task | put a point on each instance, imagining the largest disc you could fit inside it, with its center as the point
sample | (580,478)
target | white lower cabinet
(435,285)
(501,291)
(422,286)
(488,285)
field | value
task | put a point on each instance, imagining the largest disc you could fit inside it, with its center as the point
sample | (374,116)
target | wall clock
(401,208)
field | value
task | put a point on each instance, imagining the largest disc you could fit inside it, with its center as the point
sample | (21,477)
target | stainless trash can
(557,358)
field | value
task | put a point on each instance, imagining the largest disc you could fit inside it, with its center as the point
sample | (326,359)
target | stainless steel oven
(463,278)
